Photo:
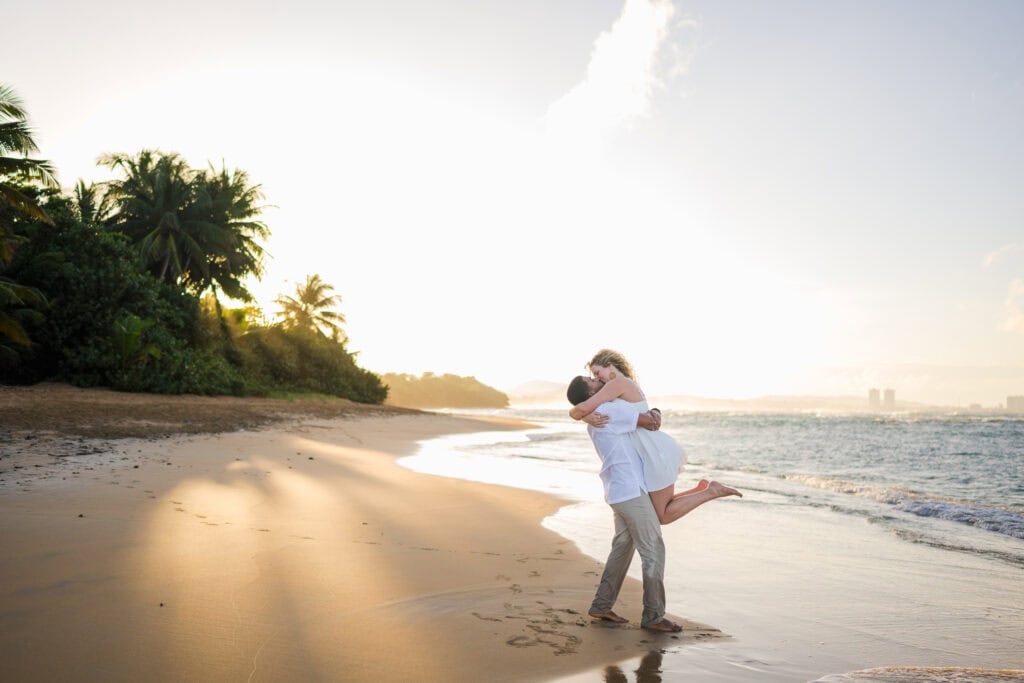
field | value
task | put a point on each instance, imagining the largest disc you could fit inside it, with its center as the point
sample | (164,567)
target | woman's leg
(663,497)
(670,508)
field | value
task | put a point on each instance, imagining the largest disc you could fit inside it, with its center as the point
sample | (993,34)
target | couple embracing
(639,466)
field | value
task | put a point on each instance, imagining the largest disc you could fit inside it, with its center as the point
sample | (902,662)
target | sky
(744,198)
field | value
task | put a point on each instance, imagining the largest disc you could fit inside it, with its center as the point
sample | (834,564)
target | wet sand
(294,551)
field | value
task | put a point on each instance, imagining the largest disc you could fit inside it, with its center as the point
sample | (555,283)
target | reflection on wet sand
(649,670)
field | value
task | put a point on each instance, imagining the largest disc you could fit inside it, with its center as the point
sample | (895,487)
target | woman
(662,457)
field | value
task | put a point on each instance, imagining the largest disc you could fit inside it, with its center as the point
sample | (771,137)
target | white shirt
(622,473)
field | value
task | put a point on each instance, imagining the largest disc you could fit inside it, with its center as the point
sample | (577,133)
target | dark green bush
(107,322)
(91,279)
(300,360)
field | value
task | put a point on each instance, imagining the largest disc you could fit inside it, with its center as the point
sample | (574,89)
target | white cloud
(1001,252)
(621,76)
(1014,321)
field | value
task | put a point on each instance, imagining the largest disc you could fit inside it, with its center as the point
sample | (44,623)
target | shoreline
(296,551)
(806,584)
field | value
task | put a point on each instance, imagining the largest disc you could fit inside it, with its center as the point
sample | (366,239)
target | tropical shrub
(302,360)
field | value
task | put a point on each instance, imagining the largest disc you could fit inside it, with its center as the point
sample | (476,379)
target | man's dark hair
(579,390)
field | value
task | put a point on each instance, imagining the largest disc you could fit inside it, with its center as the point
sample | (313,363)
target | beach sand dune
(300,551)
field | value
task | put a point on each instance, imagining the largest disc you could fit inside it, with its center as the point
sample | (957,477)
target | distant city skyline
(552,392)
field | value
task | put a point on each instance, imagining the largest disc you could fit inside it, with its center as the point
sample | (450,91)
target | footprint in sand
(480,616)
(560,649)
(521,641)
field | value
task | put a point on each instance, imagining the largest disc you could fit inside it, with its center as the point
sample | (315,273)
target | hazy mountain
(538,392)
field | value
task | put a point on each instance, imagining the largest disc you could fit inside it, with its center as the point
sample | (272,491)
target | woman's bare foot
(701,485)
(720,490)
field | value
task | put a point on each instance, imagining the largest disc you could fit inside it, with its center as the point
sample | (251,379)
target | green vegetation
(441,391)
(18,303)
(311,308)
(118,284)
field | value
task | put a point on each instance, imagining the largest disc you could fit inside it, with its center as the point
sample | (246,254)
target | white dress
(661,456)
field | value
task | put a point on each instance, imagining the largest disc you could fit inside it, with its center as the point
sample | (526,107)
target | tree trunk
(227,343)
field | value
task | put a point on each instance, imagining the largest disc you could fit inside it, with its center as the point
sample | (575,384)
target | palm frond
(11,105)
(30,170)
(16,136)
(12,330)
(25,205)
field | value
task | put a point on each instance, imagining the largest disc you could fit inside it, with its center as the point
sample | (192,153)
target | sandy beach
(293,549)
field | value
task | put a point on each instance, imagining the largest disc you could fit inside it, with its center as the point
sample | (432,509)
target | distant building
(890,399)
(1015,404)
(874,399)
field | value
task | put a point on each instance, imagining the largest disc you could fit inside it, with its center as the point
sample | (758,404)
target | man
(636,522)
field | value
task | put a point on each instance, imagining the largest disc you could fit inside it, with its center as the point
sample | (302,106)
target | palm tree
(16,139)
(95,205)
(199,230)
(312,308)
(18,304)
(153,201)
(227,207)
(196,229)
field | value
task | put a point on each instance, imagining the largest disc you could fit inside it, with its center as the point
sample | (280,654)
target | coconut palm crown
(312,308)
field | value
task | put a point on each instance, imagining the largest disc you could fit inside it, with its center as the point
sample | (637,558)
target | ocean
(861,541)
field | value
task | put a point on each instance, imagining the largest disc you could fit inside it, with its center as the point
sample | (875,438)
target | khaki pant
(636,528)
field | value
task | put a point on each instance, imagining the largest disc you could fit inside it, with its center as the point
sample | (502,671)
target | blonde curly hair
(607,357)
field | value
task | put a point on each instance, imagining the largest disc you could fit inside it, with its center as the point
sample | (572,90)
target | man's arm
(622,418)
(651,420)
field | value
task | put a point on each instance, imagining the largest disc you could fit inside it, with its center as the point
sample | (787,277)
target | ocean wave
(545,437)
(1000,521)
(747,469)
(892,495)
(912,536)
(1006,522)
(917,674)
